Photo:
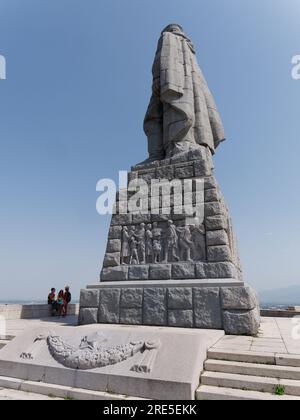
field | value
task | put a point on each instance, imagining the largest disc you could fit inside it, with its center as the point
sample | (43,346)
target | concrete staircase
(230,375)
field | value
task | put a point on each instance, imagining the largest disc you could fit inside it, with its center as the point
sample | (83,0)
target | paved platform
(15,327)
(276,336)
(238,367)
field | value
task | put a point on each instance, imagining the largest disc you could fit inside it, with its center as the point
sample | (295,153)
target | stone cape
(182,112)
(167,378)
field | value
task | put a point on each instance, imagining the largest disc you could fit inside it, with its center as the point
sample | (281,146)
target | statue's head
(173,27)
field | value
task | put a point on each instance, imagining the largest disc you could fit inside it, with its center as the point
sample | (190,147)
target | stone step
(253,369)
(205,392)
(59,391)
(242,356)
(288,360)
(255,357)
(251,383)
(11,394)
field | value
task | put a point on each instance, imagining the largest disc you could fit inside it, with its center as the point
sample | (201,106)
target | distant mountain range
(285,296)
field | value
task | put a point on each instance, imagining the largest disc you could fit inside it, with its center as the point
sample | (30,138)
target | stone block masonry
(148,252)
(138,246)
(233,309)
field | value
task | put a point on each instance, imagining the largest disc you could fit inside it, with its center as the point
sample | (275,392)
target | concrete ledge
(279,313)
(32,311)
(167,283)
(60,391)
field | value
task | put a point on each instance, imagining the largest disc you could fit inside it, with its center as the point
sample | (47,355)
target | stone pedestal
(223,304)
(173,268)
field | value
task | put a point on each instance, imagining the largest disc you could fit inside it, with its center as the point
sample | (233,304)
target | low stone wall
(31,311)
(279,313)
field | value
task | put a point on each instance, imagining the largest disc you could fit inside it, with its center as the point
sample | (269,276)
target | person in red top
(60,303)
(67,300)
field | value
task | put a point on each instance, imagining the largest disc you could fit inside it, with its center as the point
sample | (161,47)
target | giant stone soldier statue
(156,258)
(182,114)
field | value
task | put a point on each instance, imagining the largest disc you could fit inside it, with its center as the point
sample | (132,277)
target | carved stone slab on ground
(146,362)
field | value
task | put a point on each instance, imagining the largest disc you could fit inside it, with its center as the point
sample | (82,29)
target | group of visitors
(59,304)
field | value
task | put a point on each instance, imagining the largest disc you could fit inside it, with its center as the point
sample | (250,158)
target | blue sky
(71,112)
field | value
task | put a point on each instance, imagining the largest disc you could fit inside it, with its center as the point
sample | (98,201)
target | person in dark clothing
(67,300)
(52,301)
